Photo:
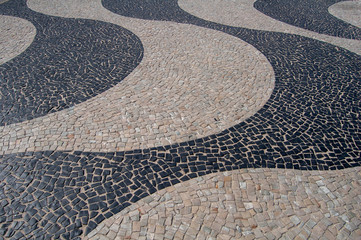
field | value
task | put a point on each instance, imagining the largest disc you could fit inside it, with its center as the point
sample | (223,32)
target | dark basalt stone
(309,14)
(311,122)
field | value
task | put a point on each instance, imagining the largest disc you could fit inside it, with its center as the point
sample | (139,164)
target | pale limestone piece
(348,11)
(16,35)
(238,13)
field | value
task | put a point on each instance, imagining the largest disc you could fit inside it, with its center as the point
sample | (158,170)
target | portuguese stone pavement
(180,119)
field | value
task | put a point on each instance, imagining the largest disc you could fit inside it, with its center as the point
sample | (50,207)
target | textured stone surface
(238,13)
(65,64)
(246,204)
(348,11)
(309,14)
(16,35)
(310,122)
(62,194)
(180,91)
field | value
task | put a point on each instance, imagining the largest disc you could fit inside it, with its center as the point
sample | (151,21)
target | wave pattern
(311,122)
(69,61)
(238,13)
(310,14)
(245,204)
(306,110)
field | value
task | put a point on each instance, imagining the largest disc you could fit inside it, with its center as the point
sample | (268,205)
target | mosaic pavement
(217,119)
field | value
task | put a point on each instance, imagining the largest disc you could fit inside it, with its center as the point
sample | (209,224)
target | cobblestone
(180,119)
(348,11)
(238,13)
(208,94)
(205,222)
(16,35)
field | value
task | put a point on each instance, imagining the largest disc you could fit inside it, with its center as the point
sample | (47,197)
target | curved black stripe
(150,10)
(309,14)
(70,61)
(315,106)
(311,122)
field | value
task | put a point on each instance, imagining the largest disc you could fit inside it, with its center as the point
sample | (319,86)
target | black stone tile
(282,134)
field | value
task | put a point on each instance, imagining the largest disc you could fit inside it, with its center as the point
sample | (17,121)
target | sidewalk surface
(188,119)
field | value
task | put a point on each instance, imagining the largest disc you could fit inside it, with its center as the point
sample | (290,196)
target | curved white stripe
(348,11)
(192,82)
(16,35)
(241,13)
(246,204)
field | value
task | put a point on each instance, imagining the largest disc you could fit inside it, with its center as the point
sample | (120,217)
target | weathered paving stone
(69,194)
(86,136)
(309,14)
(65,189)
(348,11)
(238,13)
(209,92)
(64,65)
(299,209)
(16,35)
